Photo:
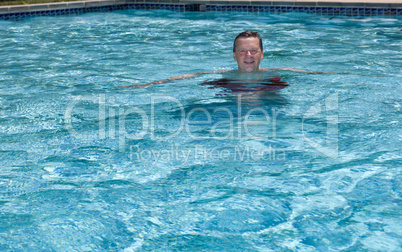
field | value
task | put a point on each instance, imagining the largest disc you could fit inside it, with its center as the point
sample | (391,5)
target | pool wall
(333,9)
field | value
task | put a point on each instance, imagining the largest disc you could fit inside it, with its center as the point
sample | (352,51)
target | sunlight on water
(296,162)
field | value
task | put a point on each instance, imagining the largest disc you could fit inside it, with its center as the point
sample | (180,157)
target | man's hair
(247,34)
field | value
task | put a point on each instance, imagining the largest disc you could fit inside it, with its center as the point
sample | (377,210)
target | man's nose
(248,53)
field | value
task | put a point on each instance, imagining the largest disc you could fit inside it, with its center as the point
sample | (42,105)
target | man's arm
(192,75)
(297,70)
(313,72)
(179,77)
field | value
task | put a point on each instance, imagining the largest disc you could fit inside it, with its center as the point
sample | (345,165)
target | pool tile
(283,3)
(76,5)
(377,5)
(257,3)
(305,4)
(220,2)
(57,5)
(353,5)
(318,8)
(18,8)
(332,4)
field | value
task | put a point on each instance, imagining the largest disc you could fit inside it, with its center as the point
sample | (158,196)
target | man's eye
(253,52)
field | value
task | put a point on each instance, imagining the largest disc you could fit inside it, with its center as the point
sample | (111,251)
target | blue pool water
(189,165)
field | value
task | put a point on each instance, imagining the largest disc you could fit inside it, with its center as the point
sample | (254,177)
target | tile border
(335,9)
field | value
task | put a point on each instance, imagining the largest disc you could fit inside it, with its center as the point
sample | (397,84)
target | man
(247,52)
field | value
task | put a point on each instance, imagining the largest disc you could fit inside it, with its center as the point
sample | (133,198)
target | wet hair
(247,34)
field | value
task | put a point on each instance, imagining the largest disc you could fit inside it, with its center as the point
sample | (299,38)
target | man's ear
(262,55)
(234,56)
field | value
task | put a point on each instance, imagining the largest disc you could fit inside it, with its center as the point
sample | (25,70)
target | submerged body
(234,86)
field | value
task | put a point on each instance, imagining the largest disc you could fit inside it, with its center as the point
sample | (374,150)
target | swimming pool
(186,165)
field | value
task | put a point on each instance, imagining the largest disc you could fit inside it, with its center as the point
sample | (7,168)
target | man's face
(248,54)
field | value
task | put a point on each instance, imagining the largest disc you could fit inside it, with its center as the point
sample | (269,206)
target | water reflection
(252,89)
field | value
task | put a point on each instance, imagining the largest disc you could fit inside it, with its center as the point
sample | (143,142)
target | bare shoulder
(284,69)
(295,70)
(268,69)
(218,71)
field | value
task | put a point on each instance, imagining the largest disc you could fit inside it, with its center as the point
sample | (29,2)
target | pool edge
(336,8)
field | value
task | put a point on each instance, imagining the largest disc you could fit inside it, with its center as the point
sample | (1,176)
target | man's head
(247,51)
